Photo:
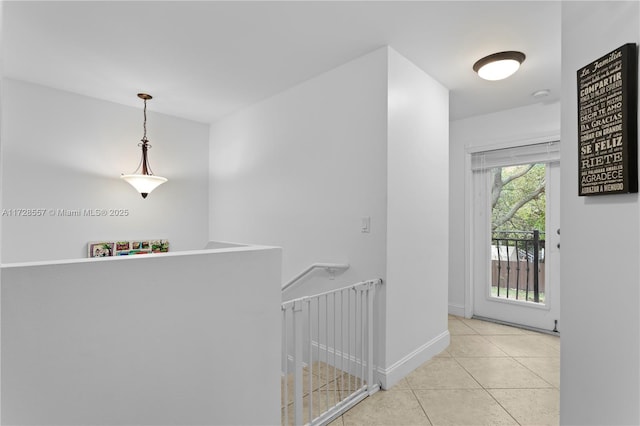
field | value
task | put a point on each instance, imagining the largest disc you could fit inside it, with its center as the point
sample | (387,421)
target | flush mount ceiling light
(539,94)
(499,65)
(146,181)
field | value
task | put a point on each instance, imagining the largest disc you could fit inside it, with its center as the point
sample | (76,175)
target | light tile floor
(490,374)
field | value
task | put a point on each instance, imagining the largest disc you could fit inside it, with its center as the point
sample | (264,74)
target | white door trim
(468,203)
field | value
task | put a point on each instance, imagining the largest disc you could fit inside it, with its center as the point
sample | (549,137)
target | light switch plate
(365,226)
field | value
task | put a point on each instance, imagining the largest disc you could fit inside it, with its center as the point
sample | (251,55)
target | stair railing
(331,268)
(327,346)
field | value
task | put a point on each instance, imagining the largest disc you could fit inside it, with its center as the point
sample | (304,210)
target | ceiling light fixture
(499,65)
(146,181)
(539,94)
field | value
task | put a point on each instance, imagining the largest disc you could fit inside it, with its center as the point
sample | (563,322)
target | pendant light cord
(144,162)
(144,124)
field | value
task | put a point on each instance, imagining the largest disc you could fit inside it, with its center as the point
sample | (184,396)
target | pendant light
(499,65)
(146,181)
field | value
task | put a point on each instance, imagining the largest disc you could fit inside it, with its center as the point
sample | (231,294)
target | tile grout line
(482,386)
(487,390)
(421,406)
(514,359)
(536,374)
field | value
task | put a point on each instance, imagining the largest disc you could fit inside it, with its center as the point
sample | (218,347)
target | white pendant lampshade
(146,181)
(144,184)
(499,65)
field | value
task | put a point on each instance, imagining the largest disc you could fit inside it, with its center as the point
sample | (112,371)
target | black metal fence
(517,265)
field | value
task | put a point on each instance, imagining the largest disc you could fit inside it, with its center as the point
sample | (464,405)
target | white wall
(65,151)
(600,292)
(1,178)
(143,340)
(300,169)
(418,216)
(514,125)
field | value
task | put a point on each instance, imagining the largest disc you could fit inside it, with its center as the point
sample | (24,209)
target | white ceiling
(202,60)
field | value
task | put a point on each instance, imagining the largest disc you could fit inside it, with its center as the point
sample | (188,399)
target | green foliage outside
(518,198)
(522,294)
(518,208)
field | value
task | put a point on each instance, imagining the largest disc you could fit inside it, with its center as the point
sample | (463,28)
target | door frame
(468,203)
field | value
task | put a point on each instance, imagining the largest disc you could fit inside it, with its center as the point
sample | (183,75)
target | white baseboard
(457,310)
(393,374)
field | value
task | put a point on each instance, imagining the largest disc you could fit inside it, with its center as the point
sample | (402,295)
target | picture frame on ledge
(126,248)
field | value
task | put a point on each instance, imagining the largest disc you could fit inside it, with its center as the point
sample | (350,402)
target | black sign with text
(607,124)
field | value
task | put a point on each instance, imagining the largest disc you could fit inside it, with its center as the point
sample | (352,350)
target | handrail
(329,267)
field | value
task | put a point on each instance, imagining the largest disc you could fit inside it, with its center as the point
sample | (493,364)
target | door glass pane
(518,206)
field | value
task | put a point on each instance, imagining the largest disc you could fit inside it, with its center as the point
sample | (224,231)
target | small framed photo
(159,246)
(101,249)
(122,245)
